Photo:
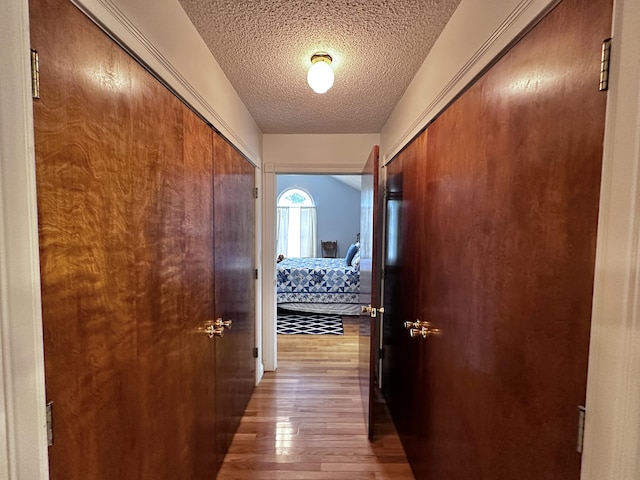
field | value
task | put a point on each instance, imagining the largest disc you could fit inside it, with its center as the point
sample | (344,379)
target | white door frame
(23,441)
(270,195)
(612,429)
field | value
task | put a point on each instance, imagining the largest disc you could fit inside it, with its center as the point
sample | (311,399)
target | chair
(329,248)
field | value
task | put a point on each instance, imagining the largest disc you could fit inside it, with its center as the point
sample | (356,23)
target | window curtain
(308,233)
(296,231)
(282,231)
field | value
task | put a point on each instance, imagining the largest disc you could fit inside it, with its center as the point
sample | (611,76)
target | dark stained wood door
(404,247)
(496,231)
(234,214)
(370,242)
(125,208)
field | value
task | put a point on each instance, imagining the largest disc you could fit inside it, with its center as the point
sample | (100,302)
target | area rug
(290,323)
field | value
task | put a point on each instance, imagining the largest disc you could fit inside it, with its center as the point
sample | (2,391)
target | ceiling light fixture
(320,76)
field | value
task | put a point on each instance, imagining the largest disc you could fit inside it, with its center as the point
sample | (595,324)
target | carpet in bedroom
(290,323)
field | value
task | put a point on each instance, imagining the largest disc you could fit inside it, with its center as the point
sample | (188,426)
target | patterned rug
(309,323)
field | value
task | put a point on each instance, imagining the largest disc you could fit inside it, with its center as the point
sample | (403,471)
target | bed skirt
(331,308)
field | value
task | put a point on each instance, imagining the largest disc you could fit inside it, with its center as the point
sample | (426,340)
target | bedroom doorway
(316,294)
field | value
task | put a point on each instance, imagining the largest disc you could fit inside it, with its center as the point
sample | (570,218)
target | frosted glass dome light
(320,76)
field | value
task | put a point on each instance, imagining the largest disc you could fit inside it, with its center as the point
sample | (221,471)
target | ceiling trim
(115,23)
(523,16)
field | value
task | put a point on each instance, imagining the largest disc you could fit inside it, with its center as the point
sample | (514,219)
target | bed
(318,285)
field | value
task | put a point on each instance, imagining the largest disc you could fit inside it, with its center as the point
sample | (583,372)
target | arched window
(296,224)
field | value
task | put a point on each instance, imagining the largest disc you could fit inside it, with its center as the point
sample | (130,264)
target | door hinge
(35,74)
(382,274)
(255,352)
(581,414)
(255,273)
(381,353)
(255,192)
(605,63)
(49,415)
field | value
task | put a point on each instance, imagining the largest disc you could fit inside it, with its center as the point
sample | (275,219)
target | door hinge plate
(255,273)
(580,442)
(49,415)
(381,353)
(255,192)
(255,352)
(605,63)
(35,74)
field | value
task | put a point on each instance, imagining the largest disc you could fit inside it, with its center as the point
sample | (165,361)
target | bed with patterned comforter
(325,285)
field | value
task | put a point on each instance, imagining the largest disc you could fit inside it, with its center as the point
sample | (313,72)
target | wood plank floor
(306,420)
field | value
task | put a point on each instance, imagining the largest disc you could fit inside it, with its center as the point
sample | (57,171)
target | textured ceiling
(265,47)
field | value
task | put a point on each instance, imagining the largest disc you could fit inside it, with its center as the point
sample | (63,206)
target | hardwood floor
(306,420)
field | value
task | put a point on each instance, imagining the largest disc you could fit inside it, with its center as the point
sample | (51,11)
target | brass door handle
(416,324)
(211,329)
(214,332)
(364,309)
(224,324)
(372,311)
(421,329)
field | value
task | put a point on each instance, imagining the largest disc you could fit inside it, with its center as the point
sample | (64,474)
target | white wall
(338,153)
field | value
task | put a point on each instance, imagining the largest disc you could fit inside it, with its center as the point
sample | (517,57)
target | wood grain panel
(198,351)
(126,241)
(84,197)
(156,225)
(498,251)
(234,214)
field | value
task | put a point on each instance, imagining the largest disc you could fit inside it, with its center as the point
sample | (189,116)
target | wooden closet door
(126,243)
(234,214)
(198,352)
(499,248)
(84,214)
(370,266)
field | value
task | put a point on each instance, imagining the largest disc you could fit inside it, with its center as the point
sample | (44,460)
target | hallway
(306,420)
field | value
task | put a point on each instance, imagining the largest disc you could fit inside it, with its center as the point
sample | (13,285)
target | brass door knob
(416,324)
(421,329)
(372,311)
(225,324)
(211,329)
(429,332)
(414,332)
(216,332)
